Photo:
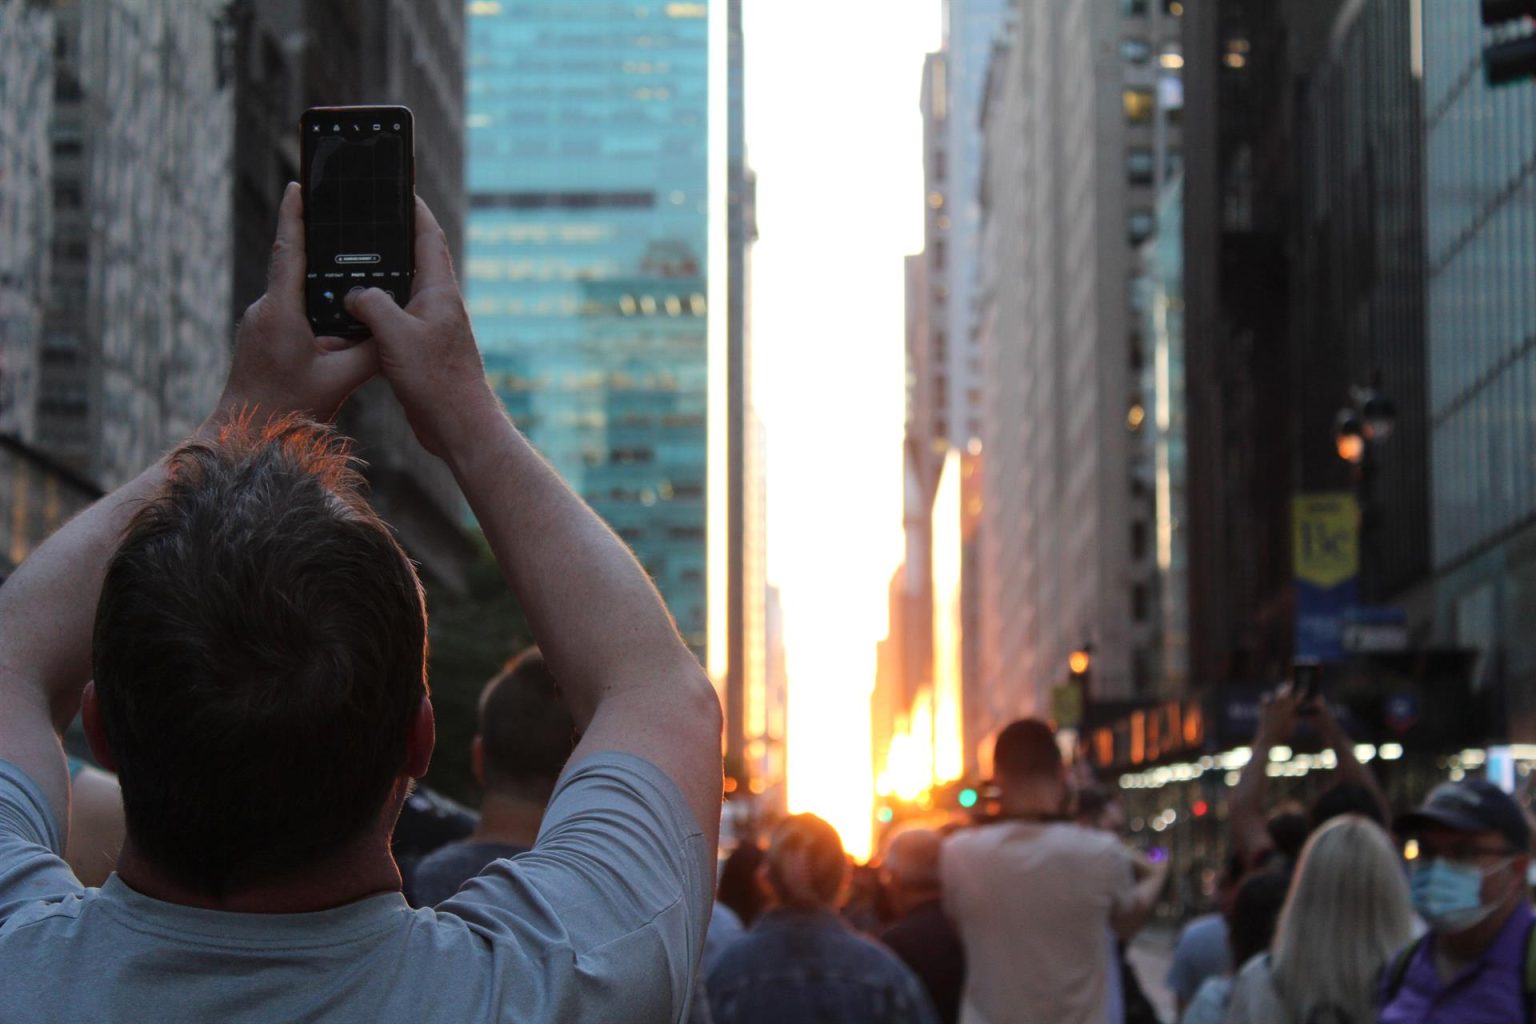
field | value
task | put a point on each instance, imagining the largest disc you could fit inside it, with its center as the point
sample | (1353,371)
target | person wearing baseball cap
(1469,884)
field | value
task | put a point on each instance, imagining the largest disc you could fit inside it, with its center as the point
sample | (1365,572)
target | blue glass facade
(586,259)
(1480,171)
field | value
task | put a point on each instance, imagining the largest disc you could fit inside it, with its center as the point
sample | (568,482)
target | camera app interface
(358,206)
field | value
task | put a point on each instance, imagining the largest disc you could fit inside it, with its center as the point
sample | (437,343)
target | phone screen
(359,208)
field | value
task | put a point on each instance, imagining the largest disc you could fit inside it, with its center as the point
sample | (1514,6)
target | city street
(1032,471)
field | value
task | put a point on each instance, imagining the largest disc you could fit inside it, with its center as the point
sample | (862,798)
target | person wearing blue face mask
(1468,882)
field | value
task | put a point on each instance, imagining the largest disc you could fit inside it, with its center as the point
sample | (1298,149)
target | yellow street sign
(1325,538)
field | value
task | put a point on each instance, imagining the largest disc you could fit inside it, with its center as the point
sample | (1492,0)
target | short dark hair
(1255,913)
(1093,800)
(259,656)
(1345,798)
(1288,830)
(1026,749)
(740,889)
(526,731)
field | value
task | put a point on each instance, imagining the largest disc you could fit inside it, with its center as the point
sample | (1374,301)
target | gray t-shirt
(603,920)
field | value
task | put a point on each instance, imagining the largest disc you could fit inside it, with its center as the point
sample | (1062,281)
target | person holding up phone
(1356,790)
(248,643)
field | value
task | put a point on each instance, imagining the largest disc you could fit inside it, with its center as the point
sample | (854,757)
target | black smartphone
(1307,680)
(358,171)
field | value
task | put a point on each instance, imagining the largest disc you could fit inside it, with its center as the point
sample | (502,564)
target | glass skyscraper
(587,251)
(1480,241)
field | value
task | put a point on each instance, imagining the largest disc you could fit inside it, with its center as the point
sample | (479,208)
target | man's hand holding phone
(279,365)
(427,350)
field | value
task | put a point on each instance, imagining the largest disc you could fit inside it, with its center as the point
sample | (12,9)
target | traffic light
(1513,58)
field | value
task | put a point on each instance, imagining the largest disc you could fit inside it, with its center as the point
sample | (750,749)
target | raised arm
(1250,797)
(1350,771)
(48,606)
(1151,878)
(631,682)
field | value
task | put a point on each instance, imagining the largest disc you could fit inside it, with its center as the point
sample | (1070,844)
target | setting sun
(840,202)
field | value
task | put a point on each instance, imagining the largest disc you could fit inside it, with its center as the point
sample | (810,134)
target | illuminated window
(687,10)
(1135,50)
(1139,105)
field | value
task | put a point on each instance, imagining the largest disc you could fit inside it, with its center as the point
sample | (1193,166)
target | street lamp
(1349,436)
(1369,418)
(1378,414)
(1081,660)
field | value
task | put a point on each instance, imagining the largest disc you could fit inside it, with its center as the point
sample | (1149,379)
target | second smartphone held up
(359,178)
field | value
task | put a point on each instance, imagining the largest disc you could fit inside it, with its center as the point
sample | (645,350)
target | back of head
(805,863)
(526,731)
(259,658)
(1345,798)
(1092,802)
(1347,914)
(1255,911)
(1025,751)
(739,886)
(1288,830)
(912,859)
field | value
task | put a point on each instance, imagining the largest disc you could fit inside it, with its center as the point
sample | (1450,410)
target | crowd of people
(1342,913)
(1333,915)
(244,642)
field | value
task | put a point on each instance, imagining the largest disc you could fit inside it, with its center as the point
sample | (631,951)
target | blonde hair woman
(1347,915)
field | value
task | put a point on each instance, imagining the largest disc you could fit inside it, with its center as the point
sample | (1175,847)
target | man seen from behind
(523,739)
(254,672)
(1035,896)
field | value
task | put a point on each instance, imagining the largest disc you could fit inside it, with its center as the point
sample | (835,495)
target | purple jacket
(1491,990)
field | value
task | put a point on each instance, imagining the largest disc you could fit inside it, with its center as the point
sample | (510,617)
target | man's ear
(421,739)
(95,732)
(477,759)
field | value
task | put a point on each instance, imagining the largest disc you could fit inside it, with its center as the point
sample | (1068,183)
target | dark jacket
(810,968)
(927,942)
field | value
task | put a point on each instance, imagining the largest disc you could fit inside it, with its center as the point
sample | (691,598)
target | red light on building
(1201,808)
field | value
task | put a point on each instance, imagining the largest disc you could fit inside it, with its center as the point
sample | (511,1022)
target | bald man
(922,936)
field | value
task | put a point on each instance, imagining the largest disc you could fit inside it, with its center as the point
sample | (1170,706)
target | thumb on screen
(377,311)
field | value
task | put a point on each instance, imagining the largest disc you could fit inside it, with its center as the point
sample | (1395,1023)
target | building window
(1139,225)
(1133,8)
(1171,57)
(1140,165)
(1138,540)
(1141,603)
(1139,105)
(1173,163)
(1135,50)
